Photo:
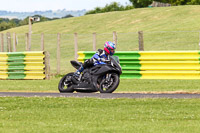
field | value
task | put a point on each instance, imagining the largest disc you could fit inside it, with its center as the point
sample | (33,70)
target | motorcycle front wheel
(111,85)
(66,85)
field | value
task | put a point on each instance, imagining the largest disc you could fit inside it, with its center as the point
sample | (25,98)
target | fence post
(141,42)
(199,39)
(2,43)
(26,38)
(94,41)
(29,34)
(115,37)
(58,53)
(14,43)
(9,49)
(76,45)
(42,42)
(47,65)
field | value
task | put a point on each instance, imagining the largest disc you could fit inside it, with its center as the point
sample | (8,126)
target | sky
(42,5)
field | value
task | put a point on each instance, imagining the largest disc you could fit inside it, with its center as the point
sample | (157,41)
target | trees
(68,16)
(141,3)
(145,3)
(114,6)
(194,2)
(6,23)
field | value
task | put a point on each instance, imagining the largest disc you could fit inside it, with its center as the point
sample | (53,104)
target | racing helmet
(109,47)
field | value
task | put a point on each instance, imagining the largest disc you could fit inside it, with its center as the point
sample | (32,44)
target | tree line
(146,3)
(114,6)
(6,23)
(140,4)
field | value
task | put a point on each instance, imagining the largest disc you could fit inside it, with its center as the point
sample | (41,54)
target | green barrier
(155,64)
(22,65)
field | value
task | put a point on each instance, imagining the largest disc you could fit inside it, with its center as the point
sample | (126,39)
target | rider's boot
(77,75)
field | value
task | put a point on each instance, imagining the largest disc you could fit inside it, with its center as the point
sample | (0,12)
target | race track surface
(97,95)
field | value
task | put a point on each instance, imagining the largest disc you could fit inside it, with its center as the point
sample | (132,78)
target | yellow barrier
(156,64)
(23,65)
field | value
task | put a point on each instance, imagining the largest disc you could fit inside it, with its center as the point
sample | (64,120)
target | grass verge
(99,115)
(126,85)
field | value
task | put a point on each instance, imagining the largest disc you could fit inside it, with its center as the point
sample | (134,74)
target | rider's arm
(98,56)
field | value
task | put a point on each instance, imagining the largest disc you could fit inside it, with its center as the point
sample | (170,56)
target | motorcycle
(103,78)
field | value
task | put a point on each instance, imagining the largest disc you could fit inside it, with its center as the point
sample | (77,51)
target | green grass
(126,85)
(155,85)
(126,23)
(99,115)
(146,19)
(107,115)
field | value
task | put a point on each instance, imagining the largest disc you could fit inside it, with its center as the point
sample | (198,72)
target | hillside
(165,28)
(146,19)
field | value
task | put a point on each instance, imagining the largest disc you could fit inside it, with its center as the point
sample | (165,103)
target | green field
(176,18)
(88,115)
(165,28)
(152,21)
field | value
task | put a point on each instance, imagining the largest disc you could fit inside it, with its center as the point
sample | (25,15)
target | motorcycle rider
(98,58)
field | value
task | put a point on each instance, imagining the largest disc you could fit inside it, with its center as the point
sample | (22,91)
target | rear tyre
(66,85)
(109,87)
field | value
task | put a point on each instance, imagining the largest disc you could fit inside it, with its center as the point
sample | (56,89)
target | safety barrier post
(9,48)
(199,39)
(2,43)
(27,40)
(115,37)
(58,53)
(42,42)
(141,42)
(29,33)
(76,45)
(94,41)
(47,65)
(14,43)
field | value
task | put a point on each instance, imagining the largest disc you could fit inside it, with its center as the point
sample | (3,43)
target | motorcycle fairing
(99,71)
(76,64)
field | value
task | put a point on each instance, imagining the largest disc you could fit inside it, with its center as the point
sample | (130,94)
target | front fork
(107,81)
(108,76)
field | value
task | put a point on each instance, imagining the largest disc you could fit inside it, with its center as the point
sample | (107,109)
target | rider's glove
(103,60)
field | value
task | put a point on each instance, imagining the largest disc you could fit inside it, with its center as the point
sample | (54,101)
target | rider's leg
(87,63)
(78,72)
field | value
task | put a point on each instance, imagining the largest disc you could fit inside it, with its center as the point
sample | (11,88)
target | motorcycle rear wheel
(112,87)
(66,87)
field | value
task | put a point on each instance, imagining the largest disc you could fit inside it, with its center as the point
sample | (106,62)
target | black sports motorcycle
(103,78)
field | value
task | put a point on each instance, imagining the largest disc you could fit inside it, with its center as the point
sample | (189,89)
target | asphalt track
(99,95)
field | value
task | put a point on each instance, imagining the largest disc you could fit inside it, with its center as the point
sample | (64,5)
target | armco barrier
(22,65)
(156,64)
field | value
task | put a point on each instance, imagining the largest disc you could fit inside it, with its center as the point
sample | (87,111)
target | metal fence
(152,41)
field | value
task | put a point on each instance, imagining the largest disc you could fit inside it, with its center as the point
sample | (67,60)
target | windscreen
(116,58)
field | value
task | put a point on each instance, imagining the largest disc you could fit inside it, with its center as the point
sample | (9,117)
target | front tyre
(111,85)
(66,85)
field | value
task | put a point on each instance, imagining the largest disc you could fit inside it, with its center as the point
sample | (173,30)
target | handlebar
(107,61)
